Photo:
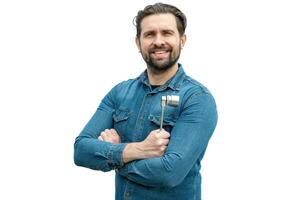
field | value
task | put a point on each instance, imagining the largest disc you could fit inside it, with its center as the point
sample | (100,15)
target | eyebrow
(168,31)
(148,32)
(164,31)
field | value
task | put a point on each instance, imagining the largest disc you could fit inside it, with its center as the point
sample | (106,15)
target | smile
(160,51)
(160,54)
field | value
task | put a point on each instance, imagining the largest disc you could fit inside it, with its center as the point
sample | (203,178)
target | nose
(158,40)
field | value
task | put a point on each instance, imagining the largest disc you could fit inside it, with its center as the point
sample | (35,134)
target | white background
(59,58)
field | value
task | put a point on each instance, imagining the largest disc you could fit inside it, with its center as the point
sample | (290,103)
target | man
(124,135)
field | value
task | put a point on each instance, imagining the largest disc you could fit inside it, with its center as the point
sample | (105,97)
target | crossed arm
(153,146)
(159,160)
(106,152)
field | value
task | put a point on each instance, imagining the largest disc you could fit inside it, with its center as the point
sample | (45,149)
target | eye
(168,33)
(148,34)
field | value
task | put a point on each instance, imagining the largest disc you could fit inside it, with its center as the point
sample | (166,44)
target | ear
(183,40)
(138,44)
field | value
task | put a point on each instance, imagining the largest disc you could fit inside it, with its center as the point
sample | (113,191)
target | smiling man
(124,135)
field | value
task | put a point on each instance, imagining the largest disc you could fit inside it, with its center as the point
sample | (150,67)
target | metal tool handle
(162,116)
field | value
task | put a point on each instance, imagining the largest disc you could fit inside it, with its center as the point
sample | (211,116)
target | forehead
(159,22)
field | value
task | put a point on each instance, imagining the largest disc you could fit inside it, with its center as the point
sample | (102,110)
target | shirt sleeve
(93,153)
(189,138)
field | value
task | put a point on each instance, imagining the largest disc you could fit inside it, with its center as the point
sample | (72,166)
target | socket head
(171,100)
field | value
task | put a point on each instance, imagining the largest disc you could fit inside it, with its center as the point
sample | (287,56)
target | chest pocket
(168,122)
(121,117)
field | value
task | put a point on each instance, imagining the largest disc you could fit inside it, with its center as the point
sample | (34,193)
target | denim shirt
(133,109)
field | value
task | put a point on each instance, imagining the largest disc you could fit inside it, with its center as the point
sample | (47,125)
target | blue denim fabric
(133,109)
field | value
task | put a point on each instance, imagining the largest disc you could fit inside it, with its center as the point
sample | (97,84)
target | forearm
(154,172)
(131,152)
(105,154)
(98,155)
(135,151)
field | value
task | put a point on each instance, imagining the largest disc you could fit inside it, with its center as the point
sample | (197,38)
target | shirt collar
(174,83)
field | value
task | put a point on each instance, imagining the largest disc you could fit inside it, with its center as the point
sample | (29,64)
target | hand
(153,146)
(110,135)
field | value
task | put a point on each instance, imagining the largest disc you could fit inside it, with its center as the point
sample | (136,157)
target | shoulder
(195,93)
(191,88)
(197,103)
(125,85)
(125,89)
(118,92)
(194,86)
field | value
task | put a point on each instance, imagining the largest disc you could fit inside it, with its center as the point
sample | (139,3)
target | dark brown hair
(160,8)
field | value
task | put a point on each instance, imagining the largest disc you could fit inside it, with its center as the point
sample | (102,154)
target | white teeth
(160,52)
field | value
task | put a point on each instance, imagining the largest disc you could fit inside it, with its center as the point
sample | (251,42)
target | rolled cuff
(114,156)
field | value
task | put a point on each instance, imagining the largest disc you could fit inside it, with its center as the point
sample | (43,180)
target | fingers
(105,135)
(155,144)
(114,133)
(163,134)
(161,137)
(110,135)
(164,142)
(100,138)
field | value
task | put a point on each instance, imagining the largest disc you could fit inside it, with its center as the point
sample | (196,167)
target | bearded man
(153,157)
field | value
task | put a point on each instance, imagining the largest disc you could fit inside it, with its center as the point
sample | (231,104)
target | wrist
(132,151)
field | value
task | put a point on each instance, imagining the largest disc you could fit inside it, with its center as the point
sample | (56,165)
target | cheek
(145,46)
(145,42)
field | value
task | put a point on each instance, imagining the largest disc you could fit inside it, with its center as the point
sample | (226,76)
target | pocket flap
(120,115)
(168,121)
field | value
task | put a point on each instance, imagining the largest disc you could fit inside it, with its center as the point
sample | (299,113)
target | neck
(161,78)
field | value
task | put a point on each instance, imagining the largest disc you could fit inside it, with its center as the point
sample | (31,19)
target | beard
(158,66)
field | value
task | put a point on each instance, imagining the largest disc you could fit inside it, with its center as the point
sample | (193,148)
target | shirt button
(127,194)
